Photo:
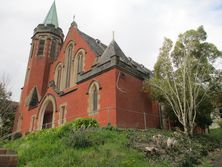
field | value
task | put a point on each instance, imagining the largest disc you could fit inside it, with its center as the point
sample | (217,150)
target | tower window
(32,49)
(41,47)
(53,50)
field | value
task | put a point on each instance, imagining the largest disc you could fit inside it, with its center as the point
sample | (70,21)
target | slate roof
(95,44)
(104,53)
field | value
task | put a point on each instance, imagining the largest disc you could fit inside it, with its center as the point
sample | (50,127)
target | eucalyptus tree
(184,75)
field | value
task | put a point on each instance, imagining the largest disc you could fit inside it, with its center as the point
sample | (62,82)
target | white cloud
(140,26)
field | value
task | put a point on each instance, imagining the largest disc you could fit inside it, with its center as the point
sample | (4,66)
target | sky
(139,25)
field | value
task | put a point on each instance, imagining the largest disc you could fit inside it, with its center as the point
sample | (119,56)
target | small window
(62,115)
(31,51)
(41,47)
(94,99)
(32,126)
(53,50)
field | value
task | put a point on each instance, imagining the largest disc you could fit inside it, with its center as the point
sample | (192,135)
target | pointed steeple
(51,17)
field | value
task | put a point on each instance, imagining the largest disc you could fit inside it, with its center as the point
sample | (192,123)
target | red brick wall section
(134,107)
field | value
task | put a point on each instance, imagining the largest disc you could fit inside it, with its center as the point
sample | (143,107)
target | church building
(79,77)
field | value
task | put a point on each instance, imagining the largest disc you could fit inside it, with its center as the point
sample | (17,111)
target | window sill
(93,113)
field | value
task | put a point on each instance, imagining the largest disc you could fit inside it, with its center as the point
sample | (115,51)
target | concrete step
(8,158)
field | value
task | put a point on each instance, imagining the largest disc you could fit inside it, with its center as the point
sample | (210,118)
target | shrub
(78,139)
(219,123)
(85,123)
(65,129)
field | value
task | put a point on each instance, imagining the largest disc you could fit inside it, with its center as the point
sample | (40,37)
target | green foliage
(107,147)
(220,123)
(185,78)
(79,139)
(85,123)
(7,110)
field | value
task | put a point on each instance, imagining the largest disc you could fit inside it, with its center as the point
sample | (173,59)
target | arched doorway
(47,112)
(48,116)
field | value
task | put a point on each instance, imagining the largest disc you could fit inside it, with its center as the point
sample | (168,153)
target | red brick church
(79,76)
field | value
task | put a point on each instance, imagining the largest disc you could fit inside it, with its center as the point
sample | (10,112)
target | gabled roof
(114,50)
(51,17)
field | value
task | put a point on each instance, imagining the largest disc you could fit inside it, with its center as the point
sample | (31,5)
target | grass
(106,147)
(46,148)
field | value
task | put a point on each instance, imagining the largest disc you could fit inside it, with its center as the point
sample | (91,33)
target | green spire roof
(51,17)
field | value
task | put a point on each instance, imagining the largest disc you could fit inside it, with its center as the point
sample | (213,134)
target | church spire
(51,17)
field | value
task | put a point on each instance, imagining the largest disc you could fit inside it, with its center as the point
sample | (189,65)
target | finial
(113,35)
(74,18)
(73,22)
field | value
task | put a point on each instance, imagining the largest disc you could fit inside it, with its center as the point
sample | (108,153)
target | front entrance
(47,113)
(48,116)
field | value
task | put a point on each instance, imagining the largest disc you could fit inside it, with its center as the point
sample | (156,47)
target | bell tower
(45,47)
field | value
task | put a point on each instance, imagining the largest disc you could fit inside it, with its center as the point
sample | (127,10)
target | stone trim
(49,98)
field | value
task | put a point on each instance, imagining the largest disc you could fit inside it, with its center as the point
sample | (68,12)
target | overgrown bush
(220,123)
(82,138)
(85,123)
(79,139)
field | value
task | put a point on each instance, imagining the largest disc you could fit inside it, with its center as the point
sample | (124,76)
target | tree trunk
(185,130)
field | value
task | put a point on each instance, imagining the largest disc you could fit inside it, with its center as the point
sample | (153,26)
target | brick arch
(48,100)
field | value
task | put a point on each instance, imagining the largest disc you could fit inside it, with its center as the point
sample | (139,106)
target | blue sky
(140,27)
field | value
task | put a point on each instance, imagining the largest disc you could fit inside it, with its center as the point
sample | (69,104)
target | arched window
(78,65)
(58,76)
(68,65)
(93,91)
(94,99)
